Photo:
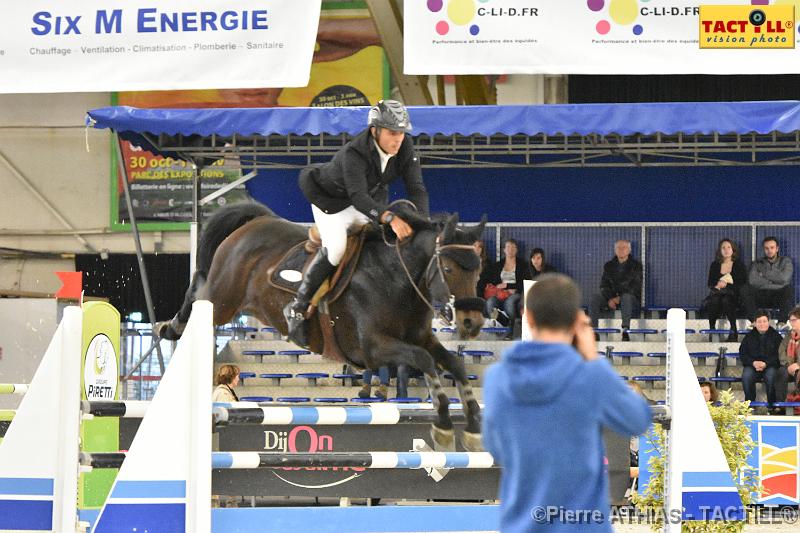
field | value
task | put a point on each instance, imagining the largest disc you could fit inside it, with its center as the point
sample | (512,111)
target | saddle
(287,274)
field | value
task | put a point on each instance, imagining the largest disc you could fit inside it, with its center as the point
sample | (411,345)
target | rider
(353,189)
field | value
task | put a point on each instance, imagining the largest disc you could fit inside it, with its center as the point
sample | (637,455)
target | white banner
(580,37)
(124,45)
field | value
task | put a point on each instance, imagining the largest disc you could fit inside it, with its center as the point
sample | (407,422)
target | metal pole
(195,226)
(138,242)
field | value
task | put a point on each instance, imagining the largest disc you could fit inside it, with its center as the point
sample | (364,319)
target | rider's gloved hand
(398,225)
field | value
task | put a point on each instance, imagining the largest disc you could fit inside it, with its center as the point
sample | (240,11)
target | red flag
(72,285)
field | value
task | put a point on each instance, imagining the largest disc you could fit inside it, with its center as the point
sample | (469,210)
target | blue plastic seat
(627,355)
(470,377)
(607,331)
(258,353)
(447,329)
(294,399)
(687,331)
(649,379)
(656,311)
(294,355)
(703,355)
(312,377)
(498,331)
(658,355)
(477,354)
(725,379)
(347,379)
(246,375)
(275,377)
(412,399)
(642,331)
(330,400)
(712,332)
(759,404)
(366,400)
(255,399)
(452,400)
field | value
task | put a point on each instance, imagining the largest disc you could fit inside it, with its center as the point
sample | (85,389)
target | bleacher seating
(298,376)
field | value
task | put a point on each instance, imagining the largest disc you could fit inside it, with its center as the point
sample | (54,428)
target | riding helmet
(389,114)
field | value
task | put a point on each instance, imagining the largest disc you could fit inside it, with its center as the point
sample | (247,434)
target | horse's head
(458,270)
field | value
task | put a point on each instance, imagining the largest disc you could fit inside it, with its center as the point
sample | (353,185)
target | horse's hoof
(164,330)
(444,440)
(472,442)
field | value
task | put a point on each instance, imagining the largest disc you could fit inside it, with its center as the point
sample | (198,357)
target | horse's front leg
(384,350)
(453,364)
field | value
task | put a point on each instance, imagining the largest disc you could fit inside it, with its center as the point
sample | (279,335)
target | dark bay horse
(380,319)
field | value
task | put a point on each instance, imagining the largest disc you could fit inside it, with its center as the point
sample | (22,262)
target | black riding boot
(294,312)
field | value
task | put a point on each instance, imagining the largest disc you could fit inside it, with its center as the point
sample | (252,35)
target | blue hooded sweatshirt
(545,409)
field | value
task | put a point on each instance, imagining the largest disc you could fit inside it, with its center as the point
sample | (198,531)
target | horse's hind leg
(173,329)
(452,363)
(386,350)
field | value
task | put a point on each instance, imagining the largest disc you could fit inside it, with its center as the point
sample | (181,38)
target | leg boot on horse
(295,312)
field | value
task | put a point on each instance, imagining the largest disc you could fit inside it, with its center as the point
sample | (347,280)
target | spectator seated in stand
(226,379)
(726,277)
(789,355)
(770,283)
(538,265)
(620,287)
(710,392)
(759,356)
(503,289)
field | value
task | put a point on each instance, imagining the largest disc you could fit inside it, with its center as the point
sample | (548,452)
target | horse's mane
(417,220)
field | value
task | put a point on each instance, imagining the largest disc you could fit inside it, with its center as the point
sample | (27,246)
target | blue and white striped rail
(384,460)
(374,414)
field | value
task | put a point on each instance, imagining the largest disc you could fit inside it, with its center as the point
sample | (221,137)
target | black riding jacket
(353,177)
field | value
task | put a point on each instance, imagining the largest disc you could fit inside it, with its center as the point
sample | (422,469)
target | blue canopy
(569,119)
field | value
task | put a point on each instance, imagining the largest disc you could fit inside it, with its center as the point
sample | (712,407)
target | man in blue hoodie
(546,405)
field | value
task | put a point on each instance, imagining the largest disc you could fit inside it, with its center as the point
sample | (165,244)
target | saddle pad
(289,272)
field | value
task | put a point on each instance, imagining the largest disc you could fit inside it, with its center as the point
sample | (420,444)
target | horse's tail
(222,223)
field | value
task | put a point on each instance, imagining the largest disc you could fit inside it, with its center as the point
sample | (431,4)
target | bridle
(435,263)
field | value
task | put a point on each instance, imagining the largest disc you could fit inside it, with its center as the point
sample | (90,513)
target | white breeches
(333,229)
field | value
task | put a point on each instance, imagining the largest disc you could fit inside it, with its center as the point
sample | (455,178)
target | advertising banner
(599,37)
(348,68)
(118,45)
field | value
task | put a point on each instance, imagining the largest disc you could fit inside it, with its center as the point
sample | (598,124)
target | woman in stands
(726,276)
(538,265)
(504,284)
(710,392)
(227,378)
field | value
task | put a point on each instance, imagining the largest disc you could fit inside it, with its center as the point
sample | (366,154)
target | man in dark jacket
(759,356)
(353,189)
(620,287)
(536,423)
(770,282)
